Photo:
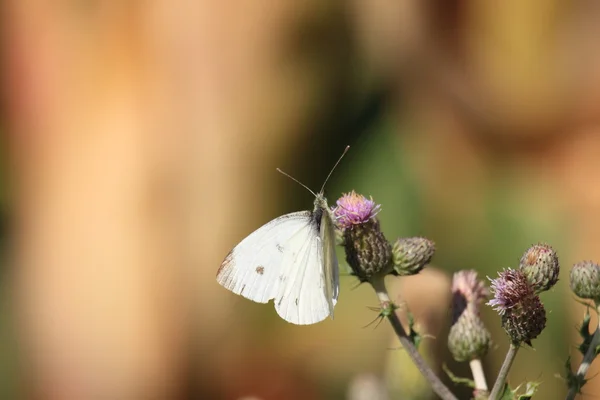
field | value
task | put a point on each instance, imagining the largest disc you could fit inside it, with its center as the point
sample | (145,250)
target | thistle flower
(354,209)
(410,255)
(522,312)
(585,280)
(466,286)
(509,289)
(367,250)
(540,265)
(468,339)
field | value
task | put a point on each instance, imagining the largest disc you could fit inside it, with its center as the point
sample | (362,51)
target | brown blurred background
(141,140)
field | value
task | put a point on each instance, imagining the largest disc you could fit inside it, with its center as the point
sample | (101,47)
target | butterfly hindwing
(303,295)
(330,262)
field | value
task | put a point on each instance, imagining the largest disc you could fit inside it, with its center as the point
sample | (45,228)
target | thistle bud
(585,280)
(469,338)
(367,250)
(541,267)
(410,255)
(522,312)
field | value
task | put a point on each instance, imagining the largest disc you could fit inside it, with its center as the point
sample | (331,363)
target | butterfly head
(320,209)
(321,202)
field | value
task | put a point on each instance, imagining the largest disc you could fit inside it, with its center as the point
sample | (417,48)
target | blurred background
(140,141)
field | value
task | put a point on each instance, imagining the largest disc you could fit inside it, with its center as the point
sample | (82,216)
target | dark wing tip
(226,264)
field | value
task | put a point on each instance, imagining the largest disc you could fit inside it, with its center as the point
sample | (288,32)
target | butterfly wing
(330,262)
(304,296)
(254,267)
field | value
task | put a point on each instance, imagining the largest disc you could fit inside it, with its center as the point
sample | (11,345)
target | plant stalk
(501,379)
(436,384)
(478,375)
(587,359)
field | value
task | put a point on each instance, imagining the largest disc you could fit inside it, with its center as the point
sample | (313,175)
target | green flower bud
(541,267)
(367,250)
(468,339)
(585,280)
(411,255)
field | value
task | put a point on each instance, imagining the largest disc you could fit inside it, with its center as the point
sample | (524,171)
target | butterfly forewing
(254,267)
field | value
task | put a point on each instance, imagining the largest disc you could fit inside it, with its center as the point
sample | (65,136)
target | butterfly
(290,260)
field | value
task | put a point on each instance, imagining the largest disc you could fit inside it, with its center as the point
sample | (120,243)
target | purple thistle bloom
(523,314)
(354,209)
(510,288)
(466,284)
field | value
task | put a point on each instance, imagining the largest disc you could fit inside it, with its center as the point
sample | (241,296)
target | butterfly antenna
(332,169)
(297,181)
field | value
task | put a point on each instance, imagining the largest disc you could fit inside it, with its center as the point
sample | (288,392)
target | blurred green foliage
(8,359)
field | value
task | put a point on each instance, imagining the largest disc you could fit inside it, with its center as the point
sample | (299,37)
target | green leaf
(458,380)
(507,394)
(383,311)
(389,309)
(573,381)
(530,389)
(584,332)
(414,336)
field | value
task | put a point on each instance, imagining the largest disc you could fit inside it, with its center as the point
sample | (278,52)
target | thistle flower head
(354,209)
(509,289)
(367,250)
(585,280)
(523,314)
(540,265)
(466,285)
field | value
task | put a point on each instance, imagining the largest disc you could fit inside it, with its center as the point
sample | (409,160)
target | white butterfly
(290,259)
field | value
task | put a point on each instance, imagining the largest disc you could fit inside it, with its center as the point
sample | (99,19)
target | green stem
(501,379)
(586,362)
(436,384)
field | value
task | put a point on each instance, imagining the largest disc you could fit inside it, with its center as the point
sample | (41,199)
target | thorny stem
(436,384)
(478,375)
(587,360)
(501,379)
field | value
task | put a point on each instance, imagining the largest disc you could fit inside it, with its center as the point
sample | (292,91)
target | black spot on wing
(279,247)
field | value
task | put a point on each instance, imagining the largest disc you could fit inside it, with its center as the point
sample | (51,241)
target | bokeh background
(140,141)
